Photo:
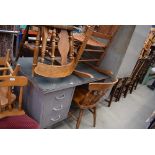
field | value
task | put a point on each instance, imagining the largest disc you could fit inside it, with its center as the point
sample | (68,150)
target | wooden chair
(140,76)
(147,45)
(8,98)
(12,116)
(7,79)
(131,81)
(5,66)
(116,91)
(7,70)
(88,98)
(98,43)
(58,55)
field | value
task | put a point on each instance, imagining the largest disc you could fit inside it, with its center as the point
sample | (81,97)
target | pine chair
(55,54)
(5,66)
(97,43)
(12,116)
(87,99)
(7,70)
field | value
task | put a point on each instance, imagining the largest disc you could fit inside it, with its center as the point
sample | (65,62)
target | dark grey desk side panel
(33,101)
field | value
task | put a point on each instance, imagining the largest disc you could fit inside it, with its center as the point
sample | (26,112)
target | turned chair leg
(94,116)
(79,118)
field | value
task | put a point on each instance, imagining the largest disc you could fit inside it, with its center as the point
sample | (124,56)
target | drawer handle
(54,120)
(59,108)
(60,97)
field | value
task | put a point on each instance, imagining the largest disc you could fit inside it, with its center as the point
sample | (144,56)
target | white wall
(134,48)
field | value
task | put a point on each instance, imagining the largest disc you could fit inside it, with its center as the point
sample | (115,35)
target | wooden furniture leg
(94,116)
(22,43)
(79,118)
(126,91)
(132,87)
(36,52)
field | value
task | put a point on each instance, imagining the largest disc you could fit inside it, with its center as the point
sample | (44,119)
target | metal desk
(48,100)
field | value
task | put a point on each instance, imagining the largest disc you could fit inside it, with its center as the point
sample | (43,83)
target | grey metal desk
(48,100)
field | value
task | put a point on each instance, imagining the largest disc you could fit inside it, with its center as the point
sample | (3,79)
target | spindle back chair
(7,108)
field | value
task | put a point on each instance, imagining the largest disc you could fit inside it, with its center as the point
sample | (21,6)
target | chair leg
(131,89)
(109,102)
(94,116)
(136,85)
(126,92)
(79,118)
(120,94)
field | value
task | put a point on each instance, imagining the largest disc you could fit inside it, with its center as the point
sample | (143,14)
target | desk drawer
(57,101)
(56,106)
(55,117)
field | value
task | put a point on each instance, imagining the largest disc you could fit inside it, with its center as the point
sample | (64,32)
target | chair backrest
(97,44)
(5,66)
(105,31)
(96,91)
(10,82)
(140,66)
(58,56)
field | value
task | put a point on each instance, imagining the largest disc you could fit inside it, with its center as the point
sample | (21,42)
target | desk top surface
(47,85)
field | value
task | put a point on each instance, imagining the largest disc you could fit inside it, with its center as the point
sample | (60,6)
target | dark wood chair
(141,74)
(87,99)
(116,91)
(132,81)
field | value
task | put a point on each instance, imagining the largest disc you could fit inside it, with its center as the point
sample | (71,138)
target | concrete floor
(129,113)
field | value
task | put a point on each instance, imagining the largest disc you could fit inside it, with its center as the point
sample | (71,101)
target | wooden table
(48,100)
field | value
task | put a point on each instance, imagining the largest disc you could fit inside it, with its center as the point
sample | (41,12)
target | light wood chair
(12,115)
(8,106)
(97,43)
(87,99)
(58,54)
(5,66)
(7,71)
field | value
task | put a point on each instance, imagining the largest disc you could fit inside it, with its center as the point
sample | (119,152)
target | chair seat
(79,95)
(91,41)
(18,122)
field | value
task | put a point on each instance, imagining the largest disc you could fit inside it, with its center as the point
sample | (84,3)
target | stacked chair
(55,52)
(12,115)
